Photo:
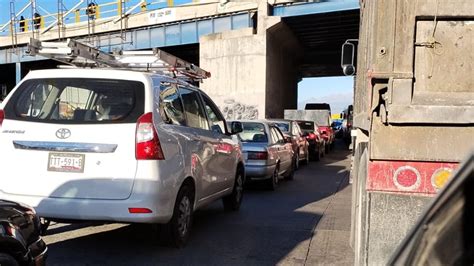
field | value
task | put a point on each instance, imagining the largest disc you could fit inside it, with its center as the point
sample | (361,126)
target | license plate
(66,162)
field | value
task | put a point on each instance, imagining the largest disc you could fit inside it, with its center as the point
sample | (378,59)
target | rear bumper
(150,194)
(259,172)
(96,210)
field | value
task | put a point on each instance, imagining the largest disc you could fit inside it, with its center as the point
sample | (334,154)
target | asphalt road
(304,222)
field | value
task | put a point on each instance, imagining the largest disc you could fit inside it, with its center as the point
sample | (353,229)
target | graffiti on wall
(236,111)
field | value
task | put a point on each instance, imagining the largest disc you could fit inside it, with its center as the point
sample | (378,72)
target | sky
(337,91)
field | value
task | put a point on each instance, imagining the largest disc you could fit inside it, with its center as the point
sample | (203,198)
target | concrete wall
(237,62)
(254,72)
(282,77)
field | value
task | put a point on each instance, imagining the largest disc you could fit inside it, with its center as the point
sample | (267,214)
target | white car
(117,145)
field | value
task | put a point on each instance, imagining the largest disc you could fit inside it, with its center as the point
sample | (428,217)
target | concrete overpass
(257,51)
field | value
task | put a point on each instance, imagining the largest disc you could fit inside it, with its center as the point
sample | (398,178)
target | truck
(413,114)
(321,117)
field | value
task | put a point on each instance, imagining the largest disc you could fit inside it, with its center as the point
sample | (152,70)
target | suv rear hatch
(71,138)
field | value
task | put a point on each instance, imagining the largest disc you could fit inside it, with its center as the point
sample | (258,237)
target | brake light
(139,210)
(311,136)
(2,116)
(258,155)
(148,145)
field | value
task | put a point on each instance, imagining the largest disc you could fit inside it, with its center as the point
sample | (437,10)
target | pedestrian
(22,24)
(91,9)
(37,20)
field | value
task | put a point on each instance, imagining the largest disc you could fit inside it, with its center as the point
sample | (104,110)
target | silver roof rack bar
(79,54)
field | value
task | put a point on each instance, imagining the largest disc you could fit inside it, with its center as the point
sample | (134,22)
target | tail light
(2,116)
(258,155)
(311,136)
(139,210)
(147,145)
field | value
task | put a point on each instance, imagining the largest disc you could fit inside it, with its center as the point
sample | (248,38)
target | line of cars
(125,146)
(274,148)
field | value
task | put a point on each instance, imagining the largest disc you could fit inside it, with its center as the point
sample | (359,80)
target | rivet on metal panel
(382,51)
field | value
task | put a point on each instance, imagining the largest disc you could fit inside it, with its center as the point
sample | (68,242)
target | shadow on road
(269,228)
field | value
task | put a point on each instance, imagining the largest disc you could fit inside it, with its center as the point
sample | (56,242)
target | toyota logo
(63,133)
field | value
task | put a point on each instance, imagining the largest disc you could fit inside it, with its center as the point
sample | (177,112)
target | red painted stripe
(413,177)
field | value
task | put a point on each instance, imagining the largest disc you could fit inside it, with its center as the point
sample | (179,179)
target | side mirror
(288,139)
(236,127)
(347,58)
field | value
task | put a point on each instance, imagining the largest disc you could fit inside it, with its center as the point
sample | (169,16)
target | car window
(76,100)
(171,107)
(253,132)
(300,132)
(274,135)
(306,125)
(193,109)
(215,117)
(285,127)
(279,135)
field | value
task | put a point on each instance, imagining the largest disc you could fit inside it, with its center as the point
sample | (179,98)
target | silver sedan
(267,155)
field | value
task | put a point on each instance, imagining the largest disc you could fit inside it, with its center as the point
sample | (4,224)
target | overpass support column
(17,72)
(254,72)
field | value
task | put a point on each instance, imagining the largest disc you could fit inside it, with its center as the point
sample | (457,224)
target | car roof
(102,73)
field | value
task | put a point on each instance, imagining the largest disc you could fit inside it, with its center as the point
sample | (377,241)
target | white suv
(117,145)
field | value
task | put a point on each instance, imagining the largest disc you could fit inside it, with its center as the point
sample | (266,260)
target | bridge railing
(79,13)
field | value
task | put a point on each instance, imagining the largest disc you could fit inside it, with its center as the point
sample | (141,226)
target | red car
(312,133)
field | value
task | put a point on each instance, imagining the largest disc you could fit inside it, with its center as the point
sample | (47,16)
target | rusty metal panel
(404,36)
(444,8)
(401,91)
(430,114)
(384,35)
(420,143)
(444,58)
(361,91)
(391,216)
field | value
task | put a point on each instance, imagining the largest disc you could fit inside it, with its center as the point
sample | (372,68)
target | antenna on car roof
(79,54)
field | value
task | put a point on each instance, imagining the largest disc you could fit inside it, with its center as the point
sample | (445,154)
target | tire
(306,160)
(7,260)
(291,174)
(181,221)
(273,181)
(232,202)
(297,160)
(317,156)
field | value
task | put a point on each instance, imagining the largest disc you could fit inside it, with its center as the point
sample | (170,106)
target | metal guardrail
(78,13)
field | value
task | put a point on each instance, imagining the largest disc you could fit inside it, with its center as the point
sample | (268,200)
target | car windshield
(77,100)
(253,132)
(284,127)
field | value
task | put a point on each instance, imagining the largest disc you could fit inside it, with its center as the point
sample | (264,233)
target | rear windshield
(253,132)
(77,100)
(306,125)
(284,127)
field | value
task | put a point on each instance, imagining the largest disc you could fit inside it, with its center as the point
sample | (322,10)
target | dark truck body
(413,115)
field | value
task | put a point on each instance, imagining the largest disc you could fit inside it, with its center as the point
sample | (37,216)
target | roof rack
(79,54)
